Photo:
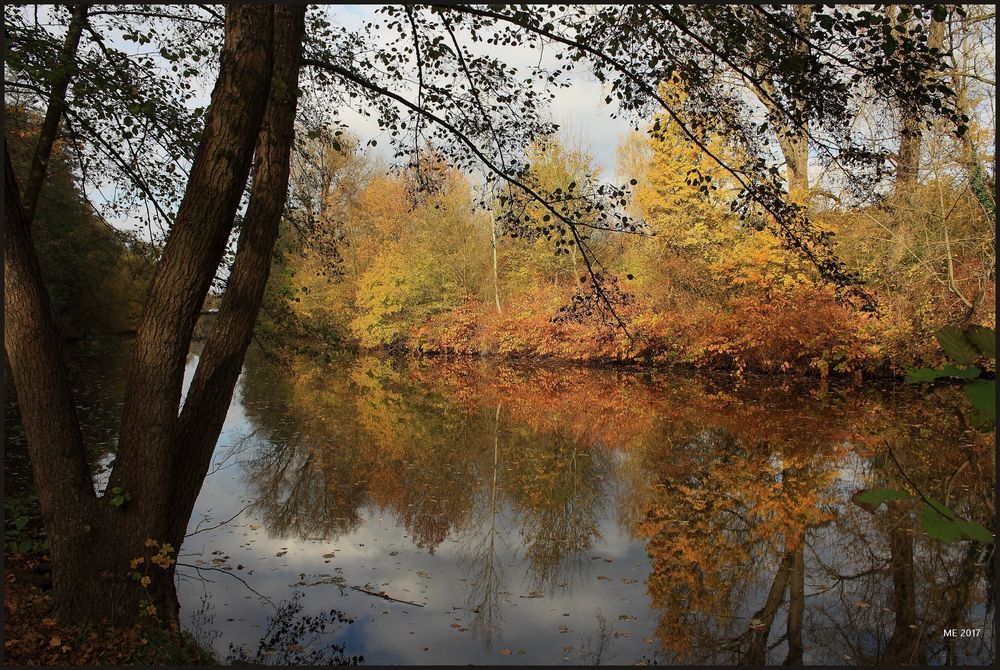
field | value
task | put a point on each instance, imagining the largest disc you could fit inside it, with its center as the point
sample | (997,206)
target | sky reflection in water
(567,515)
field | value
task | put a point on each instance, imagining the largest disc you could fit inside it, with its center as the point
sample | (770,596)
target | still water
(493,512)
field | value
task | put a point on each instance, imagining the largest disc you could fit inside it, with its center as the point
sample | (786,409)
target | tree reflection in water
(740,495)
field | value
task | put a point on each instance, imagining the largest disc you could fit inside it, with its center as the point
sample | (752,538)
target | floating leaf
(918,375)
(938,526)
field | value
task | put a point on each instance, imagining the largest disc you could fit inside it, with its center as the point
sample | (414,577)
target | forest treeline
(418,261)
(96,275)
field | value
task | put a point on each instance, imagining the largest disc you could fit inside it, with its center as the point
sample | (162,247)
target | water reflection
(576,513)
(737,495)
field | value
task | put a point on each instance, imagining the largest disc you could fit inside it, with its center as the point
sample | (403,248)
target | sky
(579,109)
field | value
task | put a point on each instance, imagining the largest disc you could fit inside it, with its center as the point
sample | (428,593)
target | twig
(202,530)
(199,568)
(936,507)
(382,595)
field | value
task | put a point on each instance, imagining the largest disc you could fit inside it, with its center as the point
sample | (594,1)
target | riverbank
(810,334)
(32,636)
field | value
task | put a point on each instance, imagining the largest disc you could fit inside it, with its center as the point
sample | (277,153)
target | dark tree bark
(221,360)
(48,413)
(53,114)
(796,603)
(756,651)
(92,541)
(192,254)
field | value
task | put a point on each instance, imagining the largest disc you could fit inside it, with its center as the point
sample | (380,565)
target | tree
(158,469)
(131,120)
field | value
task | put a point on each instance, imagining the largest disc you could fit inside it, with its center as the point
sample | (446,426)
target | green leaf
(922,375)
(961,373)
(21,522)
(918,375)
(982,422)
(973,531)
(941,523)
(957,345)
(982,393)
(872,499)
(118,500)
(985,340)
(24,547)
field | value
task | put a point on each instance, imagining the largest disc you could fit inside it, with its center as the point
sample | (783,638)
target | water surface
(472,511)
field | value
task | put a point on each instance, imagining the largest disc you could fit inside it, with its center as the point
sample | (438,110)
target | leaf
(957,345)
(941,523)
(982,393)
(938,526)
(922,375)
(872,499)
(21,522)
(918,375)
(982,422)
(973,531)
(985,340)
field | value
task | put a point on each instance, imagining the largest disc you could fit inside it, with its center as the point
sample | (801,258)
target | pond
(499,512)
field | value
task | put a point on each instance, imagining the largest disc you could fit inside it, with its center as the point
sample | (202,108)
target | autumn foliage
(423,265)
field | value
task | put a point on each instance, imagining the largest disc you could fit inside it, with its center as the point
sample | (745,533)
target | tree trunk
(908,157)
(756,651)
(793,139)
(53,114)
(496,278)
(221,359)
(905,646)
(192,254)
(92,541)
(796,602)
(48,412)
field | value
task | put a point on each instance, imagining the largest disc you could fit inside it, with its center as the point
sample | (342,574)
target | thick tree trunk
(48,413)
(756,651)
(53,113)
(193,251)
(92,541)
(221,360)
(796,602)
